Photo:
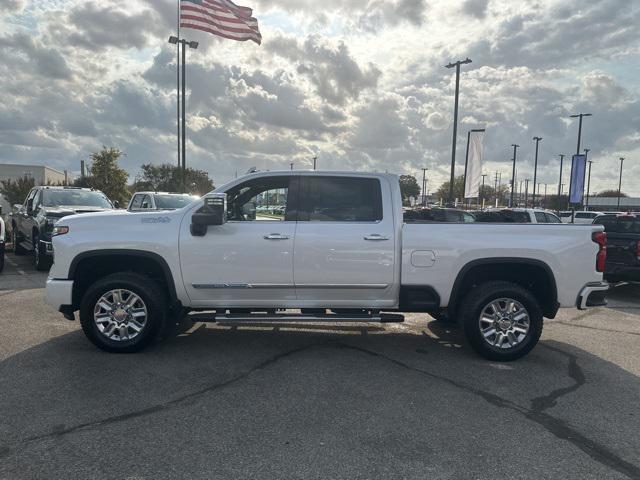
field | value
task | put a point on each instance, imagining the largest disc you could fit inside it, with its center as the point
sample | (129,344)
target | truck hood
(64,210)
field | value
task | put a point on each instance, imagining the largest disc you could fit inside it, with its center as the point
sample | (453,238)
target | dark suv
(32,222)
(623,246)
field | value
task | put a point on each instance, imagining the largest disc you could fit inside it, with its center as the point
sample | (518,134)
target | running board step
(292,317)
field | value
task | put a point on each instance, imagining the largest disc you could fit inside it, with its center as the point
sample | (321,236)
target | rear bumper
(620,272)
(593,295)
(59,292)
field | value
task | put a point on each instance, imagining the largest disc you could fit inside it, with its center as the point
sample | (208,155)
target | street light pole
(455,122)
(480,199)
(191,44)
(580,116)
(620,182)
(315,157)
(535,172)
(526,192)
(513,173)
(291,165)
(560,181)
(424,186)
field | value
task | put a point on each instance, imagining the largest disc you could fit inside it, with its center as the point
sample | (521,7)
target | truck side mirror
(213,212)
(116,204)
(30,207)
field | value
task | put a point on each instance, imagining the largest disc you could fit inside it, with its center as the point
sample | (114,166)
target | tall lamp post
(455,122)
(480,199)
(586,202)
(535,172)
(513,173)
(315,157)
(424,186)
(561,155)
(620,182)
(580,116)
(191,44)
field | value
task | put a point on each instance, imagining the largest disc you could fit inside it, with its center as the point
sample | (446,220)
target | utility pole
(513,174)
(586,157)
(620,182)
(424,186)
(560,181)
(480,199)
(580,117)
(526,192)
(455,122)
(315,157)
(535,172)
(291,165)
(191,44)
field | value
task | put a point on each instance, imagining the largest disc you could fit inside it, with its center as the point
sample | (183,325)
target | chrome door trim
(323,286)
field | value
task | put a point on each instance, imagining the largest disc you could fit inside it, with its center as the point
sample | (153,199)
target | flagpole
(178,84)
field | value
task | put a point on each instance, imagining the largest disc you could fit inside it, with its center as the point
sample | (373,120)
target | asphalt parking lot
(394,401)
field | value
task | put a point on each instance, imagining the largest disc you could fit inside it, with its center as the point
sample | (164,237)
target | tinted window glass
(503,216)
(137,201)
(541,217)
(608,221)
(551,218)
(74,197)
(585,215)
(342,199)
(263,199)
(173,201)
(146,202)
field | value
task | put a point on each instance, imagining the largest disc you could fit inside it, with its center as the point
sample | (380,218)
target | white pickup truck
(333,246)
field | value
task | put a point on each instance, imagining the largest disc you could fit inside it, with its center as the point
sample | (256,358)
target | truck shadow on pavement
(388,400)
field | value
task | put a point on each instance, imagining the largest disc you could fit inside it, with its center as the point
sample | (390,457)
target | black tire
(41,261)
(15,239)
(480,297)
(145,288)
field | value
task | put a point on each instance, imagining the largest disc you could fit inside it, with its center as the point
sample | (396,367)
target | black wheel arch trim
(455,291)
(131,253)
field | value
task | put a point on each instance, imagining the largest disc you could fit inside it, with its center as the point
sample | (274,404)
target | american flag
(220,17)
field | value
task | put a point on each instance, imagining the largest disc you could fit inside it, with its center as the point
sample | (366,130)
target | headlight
(59,230)
(51,221)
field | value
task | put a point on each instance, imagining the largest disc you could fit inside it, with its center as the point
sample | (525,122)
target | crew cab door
(345,243)
(27,217)
(247,261)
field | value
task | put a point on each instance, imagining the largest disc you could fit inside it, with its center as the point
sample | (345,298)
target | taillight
(601,239)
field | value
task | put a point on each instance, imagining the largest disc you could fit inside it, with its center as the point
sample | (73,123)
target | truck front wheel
(502,321)
(123,312)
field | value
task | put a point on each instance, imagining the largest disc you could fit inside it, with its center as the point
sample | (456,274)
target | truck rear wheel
(502,321)
(123,312)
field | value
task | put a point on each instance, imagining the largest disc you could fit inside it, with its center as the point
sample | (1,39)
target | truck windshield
(72,197)
(173,201)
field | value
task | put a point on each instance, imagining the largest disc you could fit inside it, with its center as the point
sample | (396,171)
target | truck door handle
(276,236)
(375,237)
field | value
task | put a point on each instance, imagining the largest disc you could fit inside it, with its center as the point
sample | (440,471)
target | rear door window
(541,217)
(341,199)
(551,218)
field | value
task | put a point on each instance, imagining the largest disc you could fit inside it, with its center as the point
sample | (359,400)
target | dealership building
(610,204)
(41,175)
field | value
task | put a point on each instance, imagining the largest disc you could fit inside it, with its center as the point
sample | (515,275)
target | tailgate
(623,248)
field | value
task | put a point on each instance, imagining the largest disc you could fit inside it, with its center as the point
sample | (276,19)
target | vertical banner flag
(474,166)
(578,168)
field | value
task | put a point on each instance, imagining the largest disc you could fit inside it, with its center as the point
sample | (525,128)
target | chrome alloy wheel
(504,323)
(120,315)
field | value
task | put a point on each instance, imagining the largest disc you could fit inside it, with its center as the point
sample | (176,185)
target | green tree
(409,187)
(610,193)
(15,191)
(458,190)
(107,176)
(168,178)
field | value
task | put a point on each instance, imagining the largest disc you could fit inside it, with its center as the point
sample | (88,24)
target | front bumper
(59,292)
(592,295)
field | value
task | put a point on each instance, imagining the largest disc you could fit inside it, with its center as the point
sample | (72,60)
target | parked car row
(497,215)
(32,221)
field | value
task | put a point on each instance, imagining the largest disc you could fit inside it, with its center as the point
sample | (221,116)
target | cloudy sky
(360,83)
